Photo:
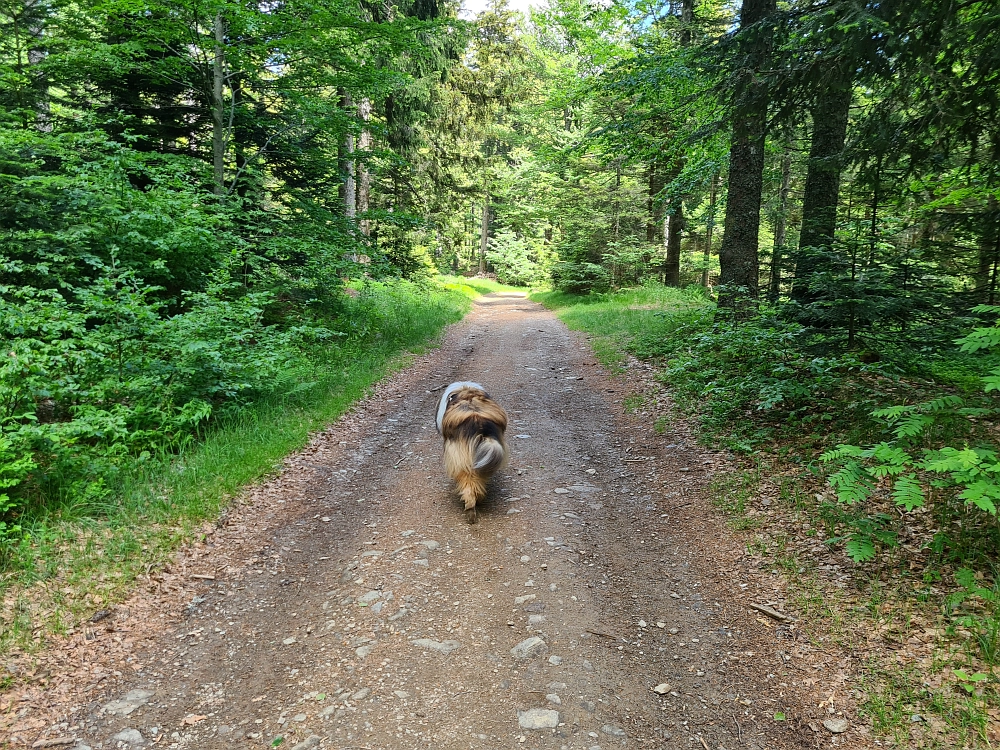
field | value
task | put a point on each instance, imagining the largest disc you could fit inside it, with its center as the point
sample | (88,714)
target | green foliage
(518,261)
(911,474)
(580,278)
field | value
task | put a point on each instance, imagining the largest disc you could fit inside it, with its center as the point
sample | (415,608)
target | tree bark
(675,230)
(345,159)
(364,176)
(484,235)
(822,189)
(989,254)
(219,106)
(709,230)
(780,228)
(654,208)
(738,256)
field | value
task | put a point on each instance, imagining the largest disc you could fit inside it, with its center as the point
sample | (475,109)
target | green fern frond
(908,492)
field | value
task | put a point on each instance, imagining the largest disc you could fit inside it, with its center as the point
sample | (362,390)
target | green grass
(475,287)
(617,320)
(82,556)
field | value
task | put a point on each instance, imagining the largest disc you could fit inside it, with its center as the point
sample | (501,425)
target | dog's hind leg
(471,489)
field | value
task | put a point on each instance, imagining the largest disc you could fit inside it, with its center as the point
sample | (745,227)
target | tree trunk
(738,256)
(364,176)
(672,264)
(709,230)
(687,21)
(219,106)
(780,228)
(822,190)
(654,208)
(35,13)
(989,254)
(345,159)
(484,235)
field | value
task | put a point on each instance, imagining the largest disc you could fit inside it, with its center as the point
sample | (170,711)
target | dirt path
(346,603)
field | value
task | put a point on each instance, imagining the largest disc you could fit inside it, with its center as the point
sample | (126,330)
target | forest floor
(345,603)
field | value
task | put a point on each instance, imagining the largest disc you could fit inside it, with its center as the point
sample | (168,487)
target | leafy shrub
(913,472)
(517,260)
(746,378)
(580,278)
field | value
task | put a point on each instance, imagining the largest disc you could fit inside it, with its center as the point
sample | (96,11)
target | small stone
(662,689)
(430,544)
(401,694)
(132,700)
(408,532)
(363,651)
(837,726)
(299,718)
(529,583)
(289,641)
(512,511)
(525,558)
(538,718)
(611,729)
(674,595)
(642,623)
(309,743)
(523,599)
(588,666)
(561,491)
(131,736)
(553,698)
(555,661)
(536,619)
(528,648)
(361,694)
(661,624)
(916,718)
(424,563)
(369,597)
(441,647)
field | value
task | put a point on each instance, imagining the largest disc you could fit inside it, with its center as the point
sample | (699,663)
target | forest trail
(346,603)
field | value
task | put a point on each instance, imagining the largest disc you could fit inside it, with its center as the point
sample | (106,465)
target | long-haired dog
(472,425)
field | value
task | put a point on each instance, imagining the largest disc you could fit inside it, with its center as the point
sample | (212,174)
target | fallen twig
(772,612)
(396,465)
(739,731)
(604,635)
(438,388)
(203,576)
(703,743)
(57,742)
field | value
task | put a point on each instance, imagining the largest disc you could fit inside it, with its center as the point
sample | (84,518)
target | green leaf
(860,549)
(779,716)
(907,492)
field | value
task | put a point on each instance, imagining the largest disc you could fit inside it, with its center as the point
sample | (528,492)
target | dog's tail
(490,455)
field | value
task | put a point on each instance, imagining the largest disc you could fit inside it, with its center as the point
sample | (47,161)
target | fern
(907,492)
(983,495)
(852,483)
(860,548)
(841,452)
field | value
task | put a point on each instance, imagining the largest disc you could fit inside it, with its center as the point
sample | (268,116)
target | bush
(517,260)
(580,278)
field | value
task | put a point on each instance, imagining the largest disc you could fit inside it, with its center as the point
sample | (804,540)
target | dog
(473,426)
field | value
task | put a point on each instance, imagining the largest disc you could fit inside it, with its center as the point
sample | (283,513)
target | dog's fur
(473,427)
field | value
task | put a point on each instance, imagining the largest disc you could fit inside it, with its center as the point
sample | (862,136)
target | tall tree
(738,256)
